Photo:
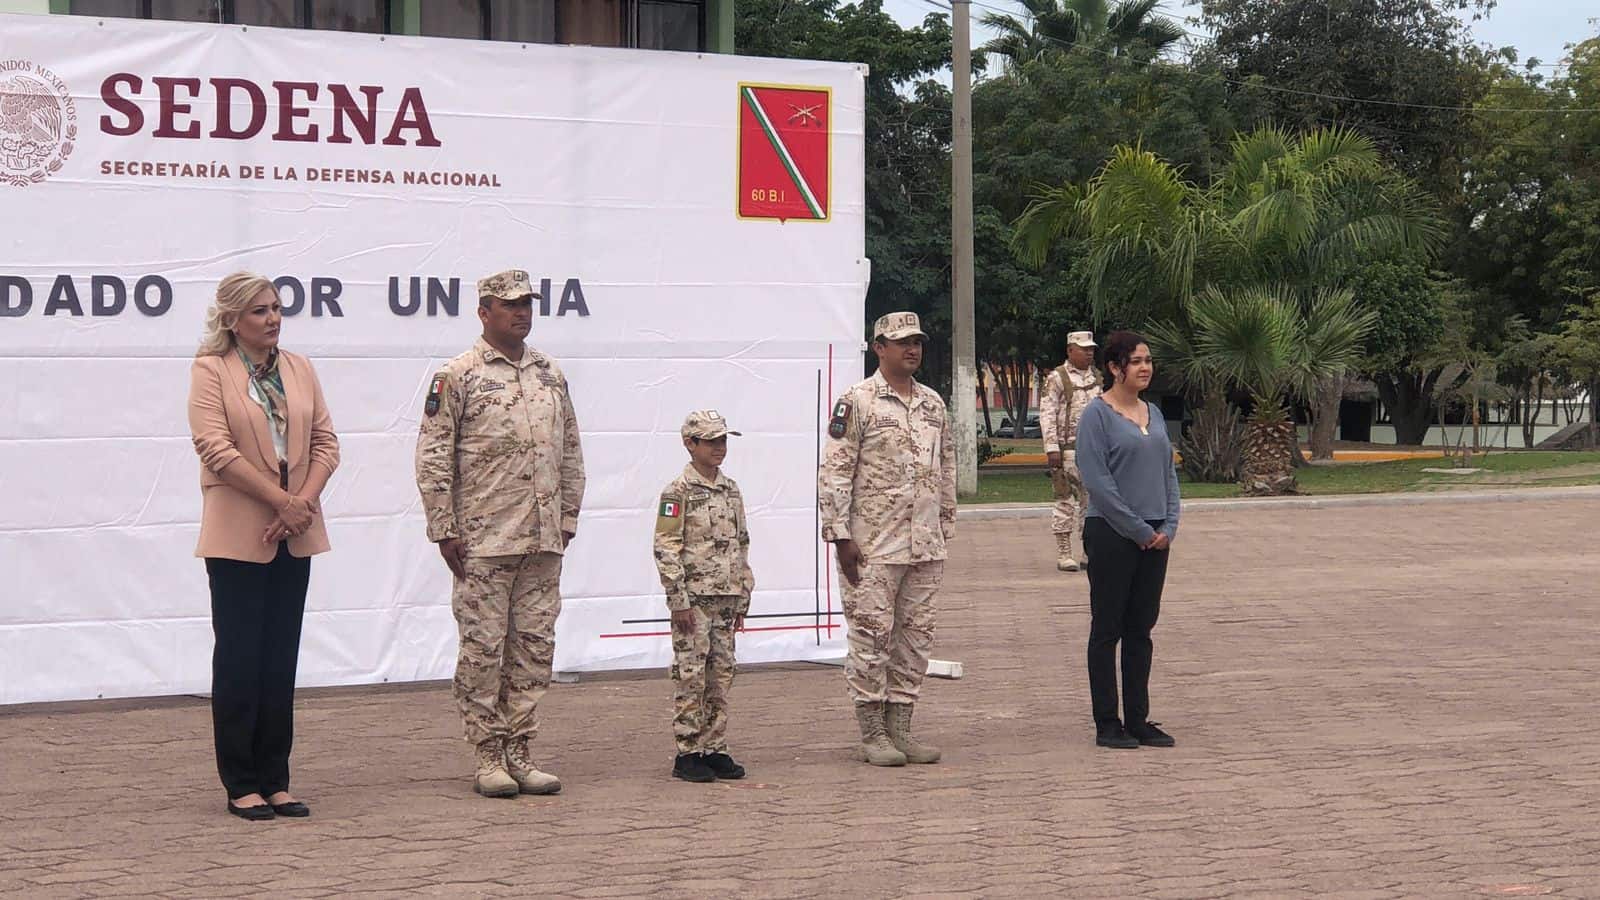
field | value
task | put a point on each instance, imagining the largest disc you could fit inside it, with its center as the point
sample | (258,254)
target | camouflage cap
(706,424)
(897,325)
(1081,339)
(512,284)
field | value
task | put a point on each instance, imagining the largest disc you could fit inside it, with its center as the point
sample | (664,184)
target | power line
(1068,46)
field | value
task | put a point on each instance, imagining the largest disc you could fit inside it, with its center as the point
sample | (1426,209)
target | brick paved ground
(1368,703)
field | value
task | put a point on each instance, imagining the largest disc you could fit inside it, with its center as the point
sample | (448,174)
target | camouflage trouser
(702,673)
(891,618)
(506,612)
(1067,515)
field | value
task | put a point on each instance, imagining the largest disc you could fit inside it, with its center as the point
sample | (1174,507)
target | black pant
(1124,600)
(256,610)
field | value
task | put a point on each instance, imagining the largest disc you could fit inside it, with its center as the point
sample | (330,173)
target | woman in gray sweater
(1125,459)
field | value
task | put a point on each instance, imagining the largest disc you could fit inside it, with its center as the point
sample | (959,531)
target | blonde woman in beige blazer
(267,449)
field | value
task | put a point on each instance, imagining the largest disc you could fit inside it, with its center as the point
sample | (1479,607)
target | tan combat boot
(899,727)
(1065,561)
(874,738)
(527,775)
(492,779)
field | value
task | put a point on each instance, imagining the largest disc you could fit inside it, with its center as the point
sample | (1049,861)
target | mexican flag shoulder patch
(670,509)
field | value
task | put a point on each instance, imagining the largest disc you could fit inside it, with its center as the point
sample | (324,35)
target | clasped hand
(293,518)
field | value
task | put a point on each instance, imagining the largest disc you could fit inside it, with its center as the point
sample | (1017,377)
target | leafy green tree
(1531,204)
(1578,351)
(1523,365)
(1399,72)
(1402,353)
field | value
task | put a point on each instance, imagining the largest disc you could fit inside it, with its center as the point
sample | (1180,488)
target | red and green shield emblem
(785,142)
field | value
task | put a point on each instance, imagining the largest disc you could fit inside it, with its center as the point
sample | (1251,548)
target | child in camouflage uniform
(702,552)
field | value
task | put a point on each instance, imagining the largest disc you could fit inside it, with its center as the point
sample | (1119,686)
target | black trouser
(256,610)
(1124,600)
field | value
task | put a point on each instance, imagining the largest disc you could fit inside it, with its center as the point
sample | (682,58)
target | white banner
(697,222)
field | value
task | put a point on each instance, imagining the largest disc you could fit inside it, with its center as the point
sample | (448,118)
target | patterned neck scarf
(269,385)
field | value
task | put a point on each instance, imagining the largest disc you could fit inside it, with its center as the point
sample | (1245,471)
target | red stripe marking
(829,627)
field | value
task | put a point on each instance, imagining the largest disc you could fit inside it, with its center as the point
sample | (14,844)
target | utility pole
(963,391)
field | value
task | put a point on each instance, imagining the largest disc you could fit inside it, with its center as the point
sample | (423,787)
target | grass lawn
(1018,445)
(1501,470)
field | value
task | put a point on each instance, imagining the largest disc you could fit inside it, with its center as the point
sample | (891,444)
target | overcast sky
(1535,27)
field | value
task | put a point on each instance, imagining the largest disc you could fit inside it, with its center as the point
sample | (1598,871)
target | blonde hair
(234,294)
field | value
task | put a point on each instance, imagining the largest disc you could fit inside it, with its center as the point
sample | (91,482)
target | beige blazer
(227,425)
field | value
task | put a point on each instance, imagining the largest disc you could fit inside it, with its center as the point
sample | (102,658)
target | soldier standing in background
(1067,390)
(887,497)
(500,470)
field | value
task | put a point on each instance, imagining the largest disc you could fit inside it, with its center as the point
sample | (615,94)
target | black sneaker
(723,766)
(692,767)
(1149,735)
(1112,735)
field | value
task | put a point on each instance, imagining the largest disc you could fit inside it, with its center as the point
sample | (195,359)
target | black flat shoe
(690,767)
(260,813)
(1112,735)
(294,809)
(1149,735)
(723,766)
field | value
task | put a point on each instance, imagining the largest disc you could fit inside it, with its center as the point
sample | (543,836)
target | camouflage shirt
(888,476)
(702,543)
(499,464)
(1066,392)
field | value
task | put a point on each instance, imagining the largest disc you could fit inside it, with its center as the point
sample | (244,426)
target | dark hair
(1118,348)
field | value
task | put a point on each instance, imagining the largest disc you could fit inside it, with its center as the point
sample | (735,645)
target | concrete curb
(1039,511)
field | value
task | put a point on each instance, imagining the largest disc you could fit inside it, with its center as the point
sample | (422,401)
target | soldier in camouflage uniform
(1067,390)
(500,471)
(887,496)
(702,549)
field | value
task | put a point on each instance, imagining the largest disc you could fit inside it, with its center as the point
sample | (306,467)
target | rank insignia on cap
(841,419)
(670,509)
(435,388)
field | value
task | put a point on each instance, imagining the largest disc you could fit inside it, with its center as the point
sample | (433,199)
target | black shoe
(1149,735)
(1112,735)
(723,766)
(294,809)
(260,813)
(691,767)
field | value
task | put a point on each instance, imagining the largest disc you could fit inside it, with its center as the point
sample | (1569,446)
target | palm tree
(1134,29)
(1128,27)
(1281,208)
(1050,28)
(1272,343)
(1284,210)
(1306,206)
(1309,209)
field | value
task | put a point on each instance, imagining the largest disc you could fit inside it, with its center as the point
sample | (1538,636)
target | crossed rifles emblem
(805,115)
